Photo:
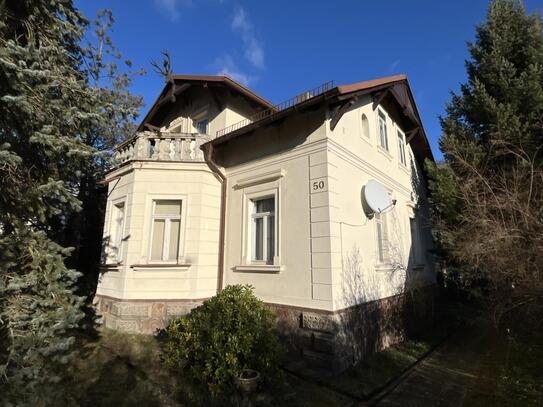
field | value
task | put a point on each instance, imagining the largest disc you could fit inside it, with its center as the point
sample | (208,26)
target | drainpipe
(208,157)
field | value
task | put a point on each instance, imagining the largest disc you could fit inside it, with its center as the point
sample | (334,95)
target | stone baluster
(186,150)
(171,147)
(164,149)
(155,145)
(193,149)
(177,149)
(172,142)
(141,148)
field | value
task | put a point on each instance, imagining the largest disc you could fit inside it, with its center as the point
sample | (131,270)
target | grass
(379,368)
(511,372)
(122,370)
(295,392)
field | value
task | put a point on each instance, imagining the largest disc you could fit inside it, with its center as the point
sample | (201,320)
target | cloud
(254,51)
(170,8)
(392,67)
(226,66)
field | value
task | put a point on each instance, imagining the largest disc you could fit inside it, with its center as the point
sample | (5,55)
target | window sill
(366,140)
(160,267)
(108,267)
(386,267)
(259,268)
(384,152)
(404,168)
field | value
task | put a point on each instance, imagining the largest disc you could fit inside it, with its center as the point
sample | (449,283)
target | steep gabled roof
(357,86)
(181,83)
(342,98)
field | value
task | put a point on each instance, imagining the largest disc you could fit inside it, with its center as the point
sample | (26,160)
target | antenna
(377,198)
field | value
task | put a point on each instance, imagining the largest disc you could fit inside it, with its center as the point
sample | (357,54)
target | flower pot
(247,381)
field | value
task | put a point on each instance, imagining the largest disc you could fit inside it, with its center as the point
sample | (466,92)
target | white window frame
(115,252)
(249,232)
(381,221)
(265,233)
(206,128)
(201,115)
(382,116)
(402,157)
(150,211)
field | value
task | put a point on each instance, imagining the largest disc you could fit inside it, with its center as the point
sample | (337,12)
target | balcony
(153,146)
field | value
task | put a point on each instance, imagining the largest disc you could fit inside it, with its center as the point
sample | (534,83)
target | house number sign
(318,185)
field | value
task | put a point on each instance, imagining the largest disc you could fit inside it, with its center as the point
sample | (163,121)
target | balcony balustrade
(148,145)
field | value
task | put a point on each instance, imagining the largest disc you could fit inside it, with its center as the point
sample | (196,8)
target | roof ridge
(372,82)
(224,78)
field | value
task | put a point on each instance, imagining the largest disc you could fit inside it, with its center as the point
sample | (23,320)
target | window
(263,229)
(383,137)
(365,126)
(416,241)
(166,228)
(117,231)
(382,237)
(401,148)
(201,126)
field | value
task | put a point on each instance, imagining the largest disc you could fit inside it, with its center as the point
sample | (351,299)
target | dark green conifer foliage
(63,104)
(487,197)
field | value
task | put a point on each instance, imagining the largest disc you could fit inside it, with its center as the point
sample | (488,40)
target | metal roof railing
(302,97)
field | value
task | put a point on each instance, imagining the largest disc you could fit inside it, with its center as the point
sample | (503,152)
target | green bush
(228,333)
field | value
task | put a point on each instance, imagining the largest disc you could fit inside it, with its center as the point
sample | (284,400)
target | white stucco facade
(321,248)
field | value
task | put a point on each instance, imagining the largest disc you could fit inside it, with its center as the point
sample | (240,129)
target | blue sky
(280,48)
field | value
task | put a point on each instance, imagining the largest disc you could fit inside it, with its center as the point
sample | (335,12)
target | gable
(218,90)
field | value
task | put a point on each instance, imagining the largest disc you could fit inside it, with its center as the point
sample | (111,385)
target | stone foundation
(140,316)
(326,339)
(336,340)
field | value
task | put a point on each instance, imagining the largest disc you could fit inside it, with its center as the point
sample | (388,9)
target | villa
(219,186)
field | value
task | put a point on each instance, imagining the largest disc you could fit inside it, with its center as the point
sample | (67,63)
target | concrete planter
(247,381)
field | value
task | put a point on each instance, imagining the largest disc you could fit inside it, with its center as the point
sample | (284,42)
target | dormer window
(201,126)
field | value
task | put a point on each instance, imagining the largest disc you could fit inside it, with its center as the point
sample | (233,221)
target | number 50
(318,185)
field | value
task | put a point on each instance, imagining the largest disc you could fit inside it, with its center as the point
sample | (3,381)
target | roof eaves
(207,78)
(252,126)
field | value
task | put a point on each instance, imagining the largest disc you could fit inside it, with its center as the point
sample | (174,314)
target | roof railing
(302,97)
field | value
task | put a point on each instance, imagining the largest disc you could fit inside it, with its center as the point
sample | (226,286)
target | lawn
(377,370)
(121,369)
(510,373)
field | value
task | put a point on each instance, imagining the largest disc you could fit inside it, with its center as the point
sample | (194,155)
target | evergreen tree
(63,104)
(487,196)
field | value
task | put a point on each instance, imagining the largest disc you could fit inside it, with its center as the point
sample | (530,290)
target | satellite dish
(377,197)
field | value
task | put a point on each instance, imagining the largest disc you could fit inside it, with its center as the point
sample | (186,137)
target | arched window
(365,126)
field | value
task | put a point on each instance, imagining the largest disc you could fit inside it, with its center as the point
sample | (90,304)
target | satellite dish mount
(376,198)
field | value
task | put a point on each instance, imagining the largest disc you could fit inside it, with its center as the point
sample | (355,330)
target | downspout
(208,157)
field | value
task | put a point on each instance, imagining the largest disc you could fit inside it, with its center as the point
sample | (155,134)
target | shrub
(228,333)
